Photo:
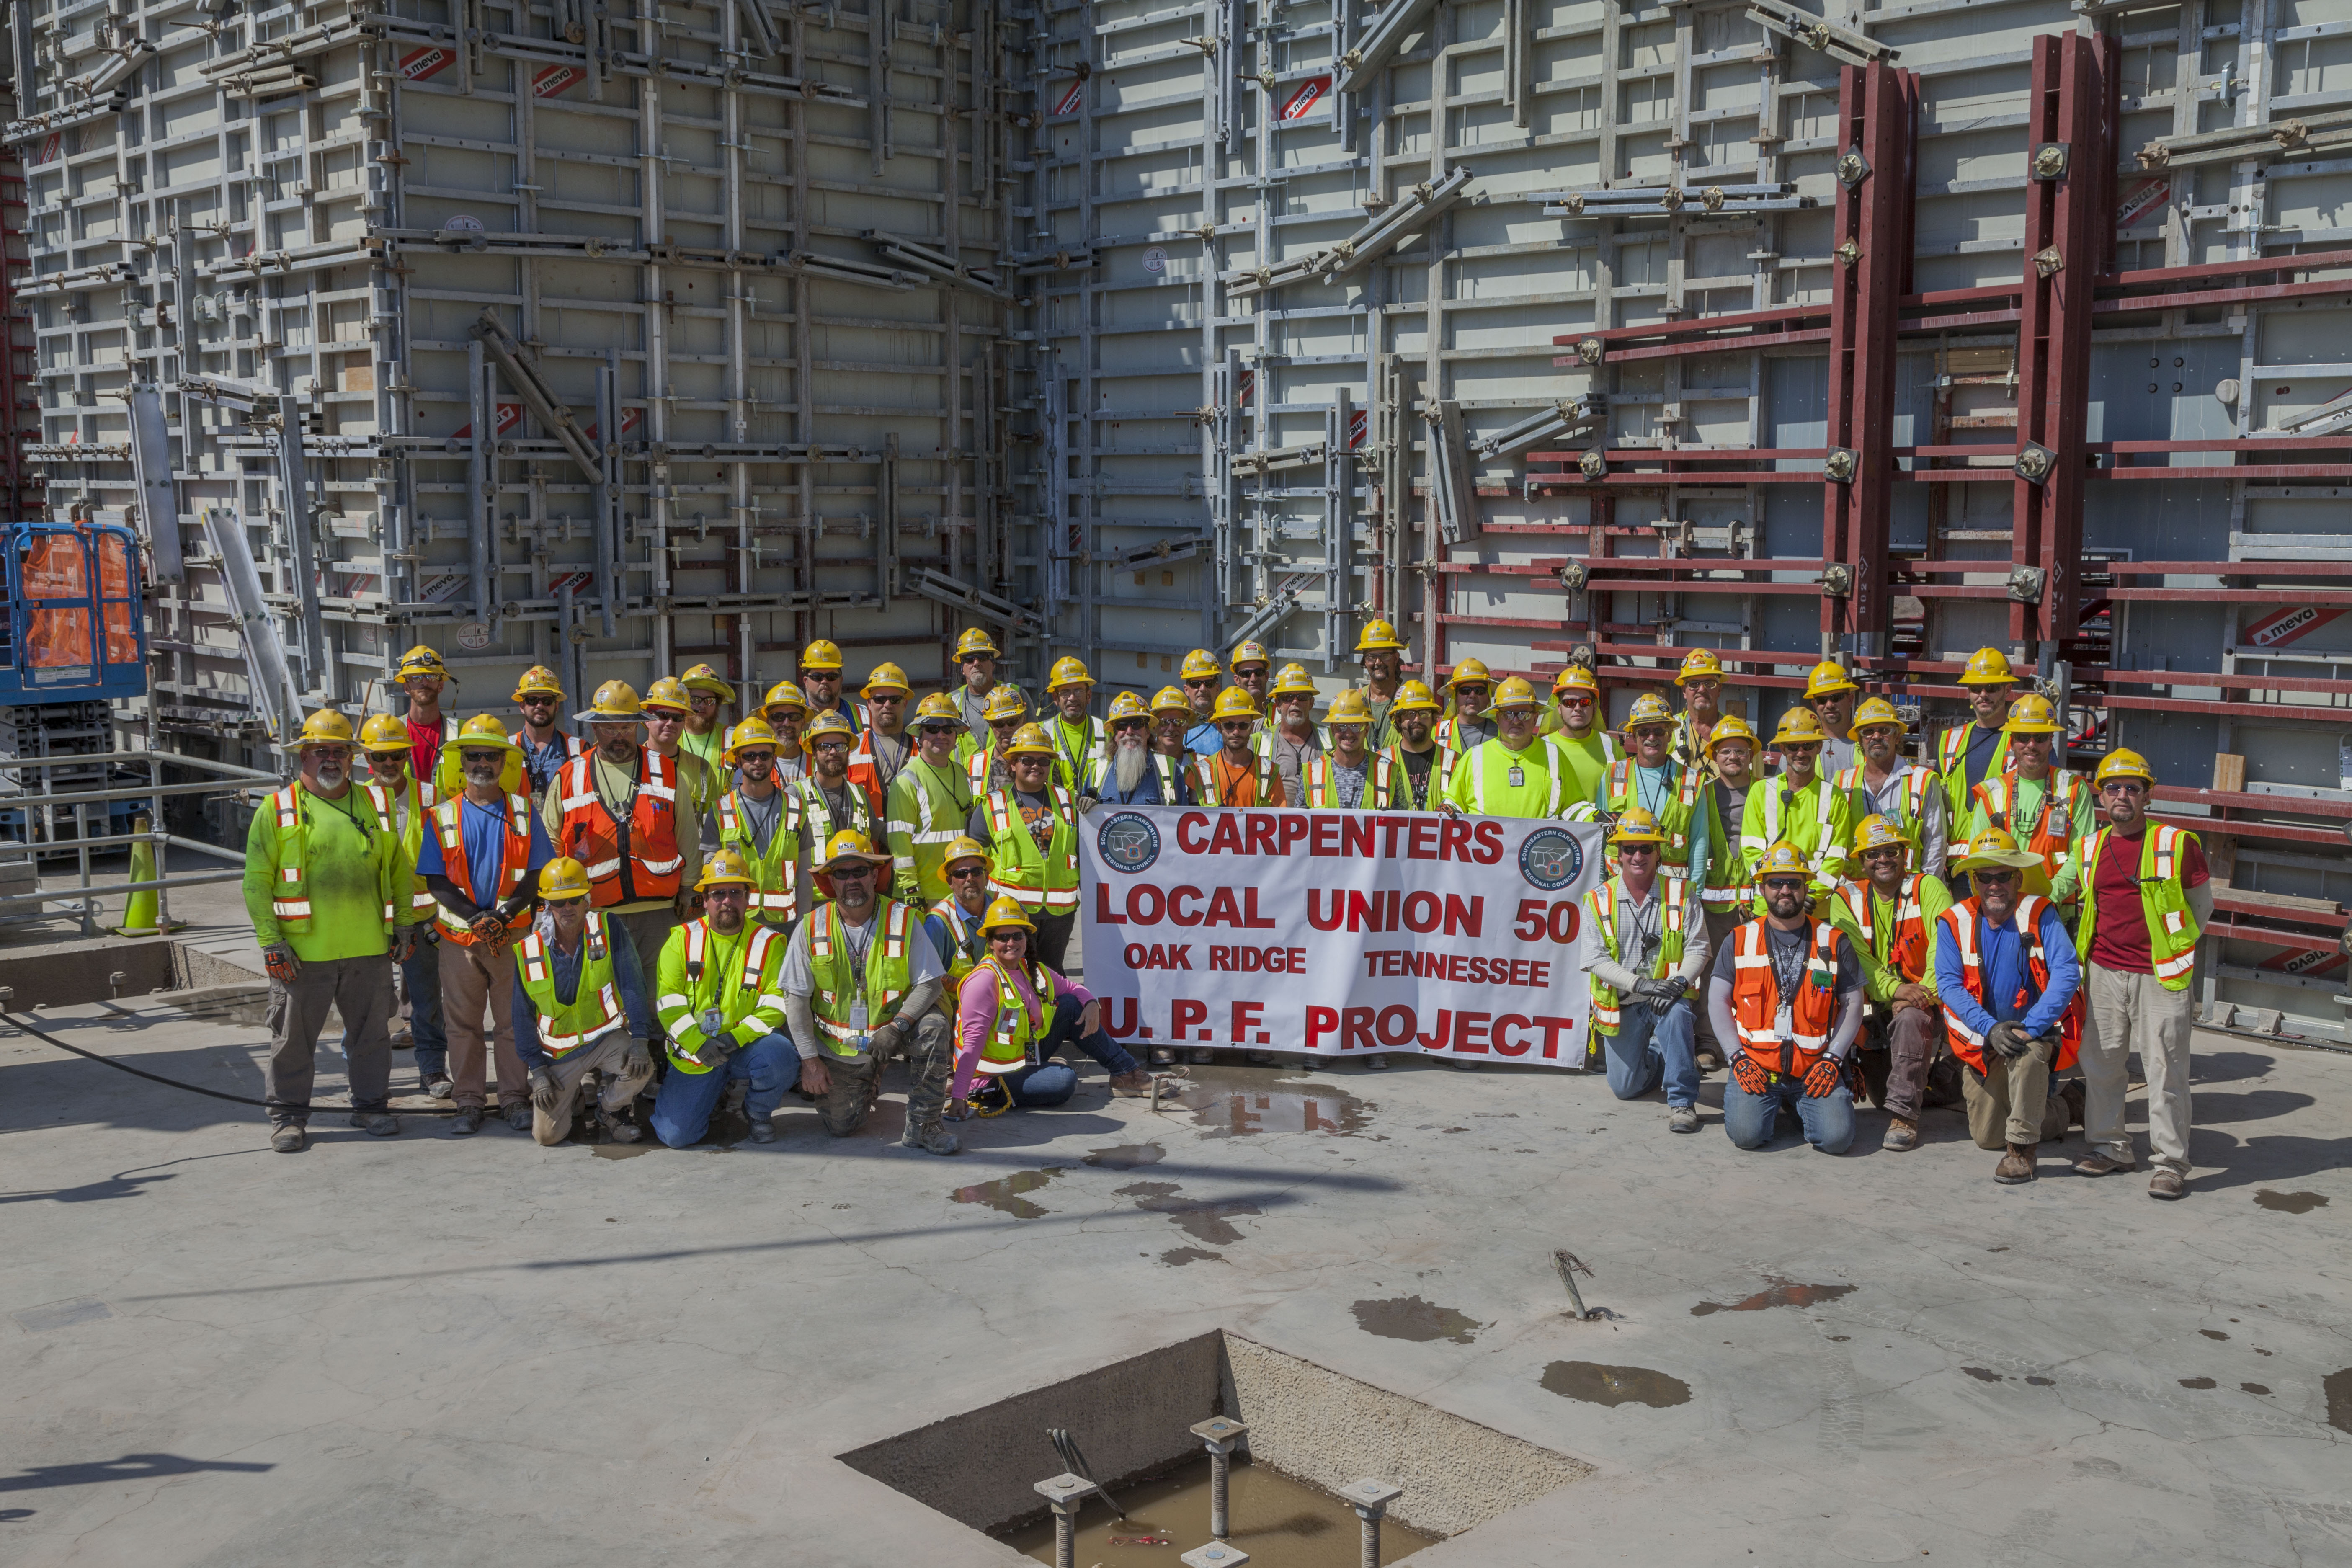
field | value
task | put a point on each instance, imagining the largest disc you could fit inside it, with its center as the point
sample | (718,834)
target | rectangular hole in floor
(1312,1431)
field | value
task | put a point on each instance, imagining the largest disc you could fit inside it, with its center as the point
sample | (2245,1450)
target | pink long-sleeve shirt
(976,1015)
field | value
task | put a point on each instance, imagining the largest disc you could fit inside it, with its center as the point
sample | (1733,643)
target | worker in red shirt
(422,675)
(2146,895)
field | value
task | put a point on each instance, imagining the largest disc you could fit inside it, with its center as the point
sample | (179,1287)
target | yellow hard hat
(1004,702)
(1987,667)
(1994,847)
(324,728)
(422,660)
(1798,724)
(562,879)
(1067,672)
(1783,857)
(1575,678)
(1233,702)
(1129,705)
(1469,670)
(1200,665)
(1292,680)
(1730,727)
(785,694)
(1648,709)
(1250,653)
(725,869)
(615,700)
(483,733)
(825,723)
(1349,708)
(848,844)
(2032,715)
(937,705)
(1876,832)
(1030,740)
(1699,664)
(704,679)
(668,692)
(1873,710)
(966,847)
(1514,693)
(752,731)
(1637,824)
(384,733)
(1171,700)
(820,655)
(1415,697)
(885,676)
(974,643)
(1379,637)
(2124,763)
(1004,914)
(1829,678)
(537,679)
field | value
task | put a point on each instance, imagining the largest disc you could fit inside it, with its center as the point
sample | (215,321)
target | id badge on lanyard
(1519,776)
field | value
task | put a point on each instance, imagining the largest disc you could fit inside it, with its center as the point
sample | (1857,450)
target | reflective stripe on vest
(831,1006)
(773,895)
(1910,932)
(1011,874)
(531,957)
(2172,930)
(290,904)
(653,814)
(1011,1037)
(514,857)
(1605,1014)
(1756,999)
(1960,920)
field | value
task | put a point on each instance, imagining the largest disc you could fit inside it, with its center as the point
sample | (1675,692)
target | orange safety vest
(1909,951)
(1960,920)
(514,859)
(1756,999)
(1998,798)
(866,773)
(648,841)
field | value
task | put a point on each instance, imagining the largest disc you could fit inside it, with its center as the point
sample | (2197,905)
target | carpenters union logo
(1550,858)
(1128,842)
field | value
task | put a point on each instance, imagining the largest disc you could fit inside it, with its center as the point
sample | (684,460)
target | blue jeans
(1049,1083)
(420,977)
(1649,1047)
(682,1110)
(1750,1119)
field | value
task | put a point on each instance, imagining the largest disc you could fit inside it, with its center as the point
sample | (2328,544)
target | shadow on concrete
(2225,1067)
(130,1467)
(2250,1105)
(89,1192)
(2220,1161)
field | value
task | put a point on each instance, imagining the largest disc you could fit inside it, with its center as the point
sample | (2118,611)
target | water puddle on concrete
(1003,1194)
(1241,1103)
(1411,1317)
(1281,1522)
(2214,1334)
(1782,1294)
(1177,1257)
(2338,1386)
(2289,1203)
(1197,1217)
(624,1151)
(2197,1383)
(1614,1385)
(1125,1157)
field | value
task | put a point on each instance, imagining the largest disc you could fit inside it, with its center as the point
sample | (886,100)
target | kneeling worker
(1013,1016)
(1788,987)
(1644,948)
(575,990)
(718,998)
(1890,914)
(2006,974)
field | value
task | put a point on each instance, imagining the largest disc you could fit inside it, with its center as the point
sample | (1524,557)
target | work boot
(2166,1184)
(731,1102)
(376,1124)
(2015,1166)
(1460,1065)
(1682,1119)
(931,1139)
(1259,1058)
(1710,1060)
(1376,1064)
(1200,1056)
(288,1137)
(762,1130)
(2070,1091)
(619,1125)
(468,1121)
(518,1115)
(1131,1085)
(1900,1134)
(440,1086)
(2098,1164)
(1162,1056)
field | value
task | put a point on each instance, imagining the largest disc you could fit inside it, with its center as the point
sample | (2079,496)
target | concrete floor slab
(400,1351)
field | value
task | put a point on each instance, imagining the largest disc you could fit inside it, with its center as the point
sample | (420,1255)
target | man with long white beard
(1132,774)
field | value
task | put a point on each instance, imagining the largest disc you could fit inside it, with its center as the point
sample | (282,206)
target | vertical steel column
(2067,146)
(1874,173)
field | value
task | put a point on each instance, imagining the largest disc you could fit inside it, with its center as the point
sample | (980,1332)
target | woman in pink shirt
(1015,1015)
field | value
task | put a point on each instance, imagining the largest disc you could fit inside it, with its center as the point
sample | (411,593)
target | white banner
(1339,934)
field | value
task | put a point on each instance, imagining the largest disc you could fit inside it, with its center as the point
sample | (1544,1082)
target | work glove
(1665,990)
(280,960)
(543,1089)
(1749,1074)
(883,1042)
(1087,804)
(1822,1078)
(404,944)
(636,1059)
(714,1050)
(2009,1041)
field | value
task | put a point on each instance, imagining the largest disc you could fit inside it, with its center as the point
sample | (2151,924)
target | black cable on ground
(17,1021)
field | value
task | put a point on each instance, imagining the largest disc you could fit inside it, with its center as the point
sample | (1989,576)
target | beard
(1129,767)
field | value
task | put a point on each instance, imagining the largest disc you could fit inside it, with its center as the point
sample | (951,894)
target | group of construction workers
(689,916)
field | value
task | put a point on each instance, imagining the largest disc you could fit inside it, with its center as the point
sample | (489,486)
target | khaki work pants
(474,980)
(2128,1013)
(623,1078)
(361,990)
(2010,1102)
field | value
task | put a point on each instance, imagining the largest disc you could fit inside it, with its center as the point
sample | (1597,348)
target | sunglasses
(1129,726)
(1784,884)
(852,873)
(748,757)
(1801,748)
(830,746)
(941,727)
(1470,690)
(967,873)
(2123,787)
(1993,878)
(1625,849)
(540,699)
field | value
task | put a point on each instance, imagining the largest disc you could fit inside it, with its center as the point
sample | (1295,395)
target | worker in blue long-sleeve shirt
(2009,981)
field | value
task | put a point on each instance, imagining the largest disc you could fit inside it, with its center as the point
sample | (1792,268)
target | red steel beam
(2231,710)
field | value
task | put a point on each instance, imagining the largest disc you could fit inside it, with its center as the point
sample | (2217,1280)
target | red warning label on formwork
(510,417)
(1360,425)
(2292,624)
(2139,200)
(430,60)
(1310,93)
(555,80)
(1069,104)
